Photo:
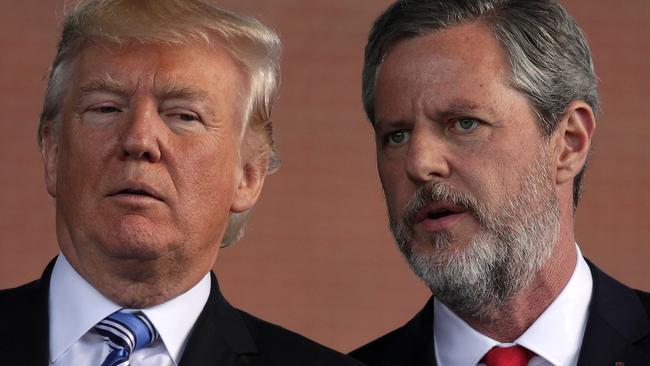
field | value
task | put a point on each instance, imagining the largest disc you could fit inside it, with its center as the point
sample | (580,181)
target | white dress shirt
(555,337)
(75,307)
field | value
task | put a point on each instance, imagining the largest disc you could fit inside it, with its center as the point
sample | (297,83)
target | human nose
(426,157)
(142,135)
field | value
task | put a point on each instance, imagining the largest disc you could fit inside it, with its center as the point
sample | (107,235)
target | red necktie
(508,356)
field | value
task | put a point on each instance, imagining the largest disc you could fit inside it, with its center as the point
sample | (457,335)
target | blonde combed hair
(252,45)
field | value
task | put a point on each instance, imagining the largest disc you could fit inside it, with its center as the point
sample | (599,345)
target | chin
(136,242)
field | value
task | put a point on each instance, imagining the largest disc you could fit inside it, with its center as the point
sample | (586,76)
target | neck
(512,319)
(140,284)
(147,287)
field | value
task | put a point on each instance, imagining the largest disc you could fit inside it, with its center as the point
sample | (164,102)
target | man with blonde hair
(156,140)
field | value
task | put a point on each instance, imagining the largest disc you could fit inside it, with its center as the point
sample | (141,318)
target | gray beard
(516,240)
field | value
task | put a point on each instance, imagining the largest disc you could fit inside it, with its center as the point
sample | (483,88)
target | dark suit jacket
(222,335)
(618,330)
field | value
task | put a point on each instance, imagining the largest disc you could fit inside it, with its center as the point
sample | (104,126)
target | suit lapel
(617,327)
(415,345)
(423,327)
(29,320)
(41,322)
(220,336)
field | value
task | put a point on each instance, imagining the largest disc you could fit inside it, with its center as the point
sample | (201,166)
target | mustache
(439,191)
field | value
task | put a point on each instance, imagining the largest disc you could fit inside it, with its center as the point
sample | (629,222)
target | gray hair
(252,45)
(550,60)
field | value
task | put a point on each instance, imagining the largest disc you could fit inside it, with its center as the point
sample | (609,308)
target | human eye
(105,109)
(183,120)
(102,113)
(185,116)
(464,125)
(397,138)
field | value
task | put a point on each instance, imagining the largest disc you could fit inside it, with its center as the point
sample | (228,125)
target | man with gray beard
(483,112)
(501,258)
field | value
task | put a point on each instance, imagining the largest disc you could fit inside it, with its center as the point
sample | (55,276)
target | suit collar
(32,336)
(415,345)
(220,335)
(618,326)
(423,324)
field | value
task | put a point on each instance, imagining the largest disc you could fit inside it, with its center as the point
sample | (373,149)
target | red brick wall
(317,257)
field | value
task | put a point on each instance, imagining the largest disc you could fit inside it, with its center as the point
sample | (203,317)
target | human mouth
(439,216)
(135,191)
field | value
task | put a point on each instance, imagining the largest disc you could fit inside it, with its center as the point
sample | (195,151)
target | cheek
(492,181)
(394,183)
(208,176)
(386,176)
(79,163)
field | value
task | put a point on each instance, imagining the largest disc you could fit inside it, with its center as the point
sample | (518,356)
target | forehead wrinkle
(107,83)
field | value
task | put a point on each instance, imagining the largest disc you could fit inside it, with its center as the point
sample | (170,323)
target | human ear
(574,134)
(50,155)
(254,171)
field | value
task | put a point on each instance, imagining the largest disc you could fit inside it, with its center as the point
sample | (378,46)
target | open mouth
(438,214)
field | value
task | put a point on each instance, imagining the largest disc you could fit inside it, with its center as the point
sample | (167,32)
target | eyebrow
(454,109)
(166,91)
(381,125)
(107,84)
(458,108)
(174,90)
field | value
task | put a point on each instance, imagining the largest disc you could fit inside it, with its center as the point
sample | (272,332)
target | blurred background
(317,257)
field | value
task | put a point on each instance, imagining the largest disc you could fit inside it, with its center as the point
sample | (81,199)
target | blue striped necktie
(125,332)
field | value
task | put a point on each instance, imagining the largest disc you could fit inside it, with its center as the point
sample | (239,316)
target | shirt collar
(455,342)
(175,318)
(75,307)
(555,336)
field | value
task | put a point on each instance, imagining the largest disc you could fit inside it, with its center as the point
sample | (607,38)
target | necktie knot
(125,332)
(508,356)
